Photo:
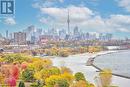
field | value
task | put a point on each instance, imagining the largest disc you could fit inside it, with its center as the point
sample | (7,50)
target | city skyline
(111,16)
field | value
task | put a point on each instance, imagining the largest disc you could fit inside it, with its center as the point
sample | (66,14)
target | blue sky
(102,16)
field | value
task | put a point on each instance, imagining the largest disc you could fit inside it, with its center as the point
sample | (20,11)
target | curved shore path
(77,63)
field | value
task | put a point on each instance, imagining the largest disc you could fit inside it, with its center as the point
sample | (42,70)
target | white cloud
(119,23)
(45,20)
(124,30)
(46,3)
(81,16)
(85,18)
(80,13)
(125,4)
(9,21)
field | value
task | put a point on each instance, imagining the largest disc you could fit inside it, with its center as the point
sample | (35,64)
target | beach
(77,63)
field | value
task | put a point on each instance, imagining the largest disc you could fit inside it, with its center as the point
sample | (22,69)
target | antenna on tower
(68,22)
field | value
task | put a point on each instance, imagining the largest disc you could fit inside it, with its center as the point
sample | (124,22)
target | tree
(63,53)
(45,73)
(21,84)
(10,58)
(54,71)
(67,76)
(79,76)
(1,59)
(56,81)
(80,83)
(38,64)
(15,71)
(105,77)
(2,78)
(24,65)
(27,75)
(11,81)
(91,85)
(65,70)
(61,83)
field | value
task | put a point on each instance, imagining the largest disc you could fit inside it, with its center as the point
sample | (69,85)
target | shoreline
(77,63)
(92,59)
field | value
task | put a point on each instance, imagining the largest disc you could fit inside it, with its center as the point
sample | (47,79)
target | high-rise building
(108,36)
(53,32)
(33,40)
(20,38)
(0,35)
(76,31)
(33,32)
(62,34)
(11,36)
(29,32)
(105,37)
(7,34)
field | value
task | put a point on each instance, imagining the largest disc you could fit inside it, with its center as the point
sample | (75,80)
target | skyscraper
(76,31)
(62,34)
(20,38)
(29,32)
(7,34)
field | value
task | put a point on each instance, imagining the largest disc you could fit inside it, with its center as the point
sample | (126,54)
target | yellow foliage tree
(105,77)
(65,70)
(56,81)
(80,83)
(68,77)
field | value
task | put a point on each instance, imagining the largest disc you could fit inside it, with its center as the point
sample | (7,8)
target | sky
(99,16)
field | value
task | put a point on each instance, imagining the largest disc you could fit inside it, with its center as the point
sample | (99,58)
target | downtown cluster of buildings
(33,35)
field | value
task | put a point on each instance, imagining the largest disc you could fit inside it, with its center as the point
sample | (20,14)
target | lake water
(118,62)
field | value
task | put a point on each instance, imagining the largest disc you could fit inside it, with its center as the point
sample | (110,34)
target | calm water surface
(119,62)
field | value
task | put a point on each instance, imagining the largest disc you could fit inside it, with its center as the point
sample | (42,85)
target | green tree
(21,84)
(79,76)
(27,75)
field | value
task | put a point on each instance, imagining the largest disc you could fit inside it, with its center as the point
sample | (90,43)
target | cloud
(46,3)
(119,23)
(10,21)
(75,12)
(45,20)
(85,18)
(79,15)
(125,4)
(124,30)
